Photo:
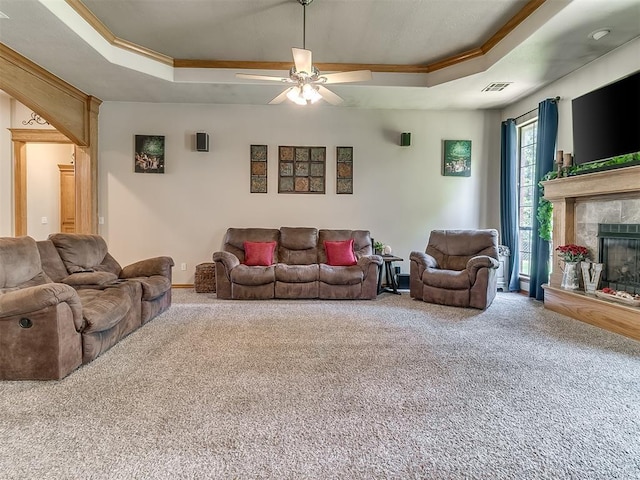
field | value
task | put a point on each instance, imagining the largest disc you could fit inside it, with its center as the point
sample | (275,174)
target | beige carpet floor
(391,388)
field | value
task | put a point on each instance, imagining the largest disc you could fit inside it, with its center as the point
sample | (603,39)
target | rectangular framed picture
(456,161)
(344,170)
(258,168)
(149,155)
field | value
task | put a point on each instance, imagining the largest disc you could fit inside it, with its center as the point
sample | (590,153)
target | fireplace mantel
(563,194)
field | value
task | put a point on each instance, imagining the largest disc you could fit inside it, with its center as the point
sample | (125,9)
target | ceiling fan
(307,83)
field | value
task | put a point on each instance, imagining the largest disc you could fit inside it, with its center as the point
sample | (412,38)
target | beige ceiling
(390,36)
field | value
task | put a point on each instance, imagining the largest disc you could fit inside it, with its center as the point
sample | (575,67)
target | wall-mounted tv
(606,121)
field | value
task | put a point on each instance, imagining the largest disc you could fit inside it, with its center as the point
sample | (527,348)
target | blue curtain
(509,198)
(545,154)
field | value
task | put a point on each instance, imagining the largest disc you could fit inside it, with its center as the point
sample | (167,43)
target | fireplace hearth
(619,250)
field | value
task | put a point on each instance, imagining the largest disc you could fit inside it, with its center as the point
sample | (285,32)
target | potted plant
(378,247)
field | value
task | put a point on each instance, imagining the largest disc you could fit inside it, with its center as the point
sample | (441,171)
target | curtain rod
(555,99)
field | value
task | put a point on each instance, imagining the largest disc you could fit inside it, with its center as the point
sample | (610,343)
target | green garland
(545,207)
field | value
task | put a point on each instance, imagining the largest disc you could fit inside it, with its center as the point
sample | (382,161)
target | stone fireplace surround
(579,204)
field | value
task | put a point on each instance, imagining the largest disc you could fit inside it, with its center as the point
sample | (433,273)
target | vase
(570,276)
(591,276)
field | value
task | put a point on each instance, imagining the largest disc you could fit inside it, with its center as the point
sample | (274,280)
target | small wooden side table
(390,278)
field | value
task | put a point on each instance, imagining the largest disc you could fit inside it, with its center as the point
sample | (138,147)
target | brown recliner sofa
(458,268)
(299,268)
(52,321)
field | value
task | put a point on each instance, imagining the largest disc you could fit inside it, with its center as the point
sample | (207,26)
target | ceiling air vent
(496,86)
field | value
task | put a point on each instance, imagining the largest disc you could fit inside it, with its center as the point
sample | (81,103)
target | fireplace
(622,187)
(619,250)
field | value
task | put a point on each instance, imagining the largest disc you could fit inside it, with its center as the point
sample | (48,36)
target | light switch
(45,220)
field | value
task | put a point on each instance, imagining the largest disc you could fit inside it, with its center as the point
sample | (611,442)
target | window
(527,136)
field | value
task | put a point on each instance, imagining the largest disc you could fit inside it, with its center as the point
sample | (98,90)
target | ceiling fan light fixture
(598,34)
(307,85)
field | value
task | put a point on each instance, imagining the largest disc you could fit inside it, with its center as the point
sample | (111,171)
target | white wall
(399,193)
(43,187)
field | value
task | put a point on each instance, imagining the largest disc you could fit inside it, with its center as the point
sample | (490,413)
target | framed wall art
(456,161)
(301,169)
(344,170)
(149,154)
(258,161)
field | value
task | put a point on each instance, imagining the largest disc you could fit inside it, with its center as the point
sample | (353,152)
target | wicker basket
(205,278)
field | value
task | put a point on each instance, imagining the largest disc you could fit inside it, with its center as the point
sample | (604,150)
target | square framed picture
(301,169)
(149,154)
(456,161)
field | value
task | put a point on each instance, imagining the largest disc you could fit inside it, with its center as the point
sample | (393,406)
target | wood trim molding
(476,52)
(37,135)
(82,10)
(59,103)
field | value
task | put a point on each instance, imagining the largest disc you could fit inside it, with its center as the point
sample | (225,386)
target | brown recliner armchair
(458,268)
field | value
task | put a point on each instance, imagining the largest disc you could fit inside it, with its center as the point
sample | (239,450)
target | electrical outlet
(183,266)
(45,220)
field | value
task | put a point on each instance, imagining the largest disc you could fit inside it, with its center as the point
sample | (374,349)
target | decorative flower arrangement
(572,253)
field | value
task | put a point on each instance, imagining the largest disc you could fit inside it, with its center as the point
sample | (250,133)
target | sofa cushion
(19,262)
(297,273)
(92,279)
(80,253)
(448,279)
(341,275)
(298,245)
(361,241)
(51,261)
(235,237)
(102,309)
(259,253)
(246,275)
(340,253)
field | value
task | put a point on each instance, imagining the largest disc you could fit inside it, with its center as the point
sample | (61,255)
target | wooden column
(20,188)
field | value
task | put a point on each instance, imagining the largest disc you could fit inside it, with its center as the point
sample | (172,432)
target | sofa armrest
(31,299)
(476,263)
(229,260)
(367,260)
(423,260)
(148,268)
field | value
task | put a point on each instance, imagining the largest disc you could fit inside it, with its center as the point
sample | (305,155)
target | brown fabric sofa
(53,320)
(458,268)
(299,268)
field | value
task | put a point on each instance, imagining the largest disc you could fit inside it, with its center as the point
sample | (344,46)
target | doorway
(20,138)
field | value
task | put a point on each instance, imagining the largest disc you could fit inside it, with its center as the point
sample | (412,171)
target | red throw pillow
(340,253)
(259,253)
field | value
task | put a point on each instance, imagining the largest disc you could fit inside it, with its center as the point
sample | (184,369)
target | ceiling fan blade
(302,59)
(329,96)
(280,98)
(250,76)
(345,77)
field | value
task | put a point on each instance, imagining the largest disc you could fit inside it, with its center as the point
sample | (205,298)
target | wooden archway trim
(73,113)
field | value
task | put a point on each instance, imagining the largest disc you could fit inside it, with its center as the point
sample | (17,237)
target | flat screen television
(606,121)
